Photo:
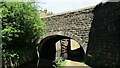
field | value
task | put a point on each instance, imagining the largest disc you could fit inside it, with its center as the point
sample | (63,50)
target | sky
(59,6)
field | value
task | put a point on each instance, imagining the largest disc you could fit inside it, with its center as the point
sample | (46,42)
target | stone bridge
(74,24)
(95,28)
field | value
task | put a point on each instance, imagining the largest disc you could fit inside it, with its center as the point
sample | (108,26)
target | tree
(21,24)
(50,13)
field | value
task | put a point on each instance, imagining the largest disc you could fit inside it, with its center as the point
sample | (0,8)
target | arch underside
(48,49)
(70,35)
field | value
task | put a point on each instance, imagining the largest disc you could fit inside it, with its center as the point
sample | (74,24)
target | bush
(21,25)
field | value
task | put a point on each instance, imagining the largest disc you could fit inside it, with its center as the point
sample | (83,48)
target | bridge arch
(47,47)
(80,41)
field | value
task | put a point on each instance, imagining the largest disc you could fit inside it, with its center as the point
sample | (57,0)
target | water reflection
(37,63)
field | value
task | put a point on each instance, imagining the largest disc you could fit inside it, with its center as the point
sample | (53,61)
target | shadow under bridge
(53,47)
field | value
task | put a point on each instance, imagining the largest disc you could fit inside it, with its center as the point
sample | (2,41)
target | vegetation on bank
(21,26)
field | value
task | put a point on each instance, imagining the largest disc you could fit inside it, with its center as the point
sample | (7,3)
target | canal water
(37,64)
(48,64)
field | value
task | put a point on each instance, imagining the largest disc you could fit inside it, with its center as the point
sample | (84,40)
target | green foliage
(50,13)
(58,62)
(21,24)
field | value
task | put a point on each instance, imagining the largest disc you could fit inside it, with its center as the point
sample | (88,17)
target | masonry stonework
(76,22)
(98,26)
(103,45)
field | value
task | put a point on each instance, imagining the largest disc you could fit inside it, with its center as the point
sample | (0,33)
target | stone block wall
(76,22)
(98,26)
(103,45)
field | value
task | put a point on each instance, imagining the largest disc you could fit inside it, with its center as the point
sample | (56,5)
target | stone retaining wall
(103,45)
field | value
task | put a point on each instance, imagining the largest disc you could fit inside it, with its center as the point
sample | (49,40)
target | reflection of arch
(47,45)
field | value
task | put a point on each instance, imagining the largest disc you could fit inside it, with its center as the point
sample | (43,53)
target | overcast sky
(59,6)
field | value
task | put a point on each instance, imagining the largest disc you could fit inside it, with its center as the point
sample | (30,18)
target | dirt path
(70,64)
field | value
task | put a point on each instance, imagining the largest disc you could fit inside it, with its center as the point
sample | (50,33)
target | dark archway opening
(47,51)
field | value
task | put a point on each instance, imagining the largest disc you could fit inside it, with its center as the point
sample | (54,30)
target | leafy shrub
(21,25)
